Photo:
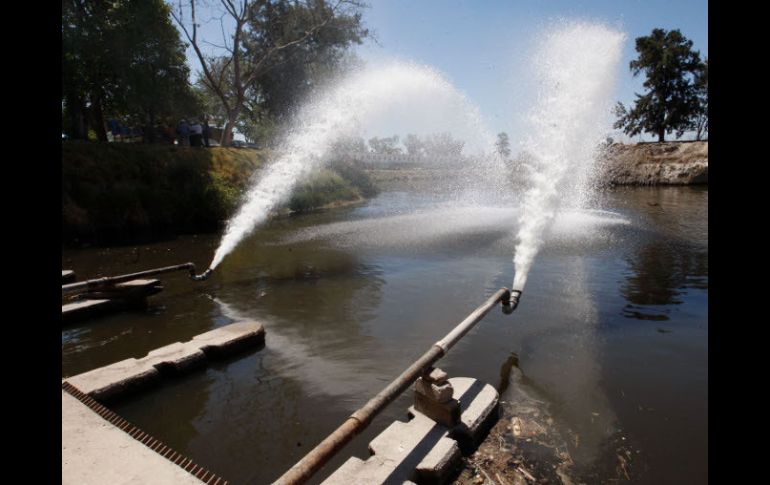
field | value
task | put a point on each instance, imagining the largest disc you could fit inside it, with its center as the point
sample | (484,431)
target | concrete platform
(93,451)
(122,296)
(128,375)
(478,402)
(78,310)
(422,450)
(67,276)
(128,290)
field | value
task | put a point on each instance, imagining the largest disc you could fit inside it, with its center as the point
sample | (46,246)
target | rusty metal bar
(324,451)
(90,285)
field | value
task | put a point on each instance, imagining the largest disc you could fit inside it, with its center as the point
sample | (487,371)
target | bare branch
(194,42)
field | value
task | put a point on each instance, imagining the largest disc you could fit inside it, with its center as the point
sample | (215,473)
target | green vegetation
(121,59)
(323,188)
(277,52)
(677,88)
(127,193)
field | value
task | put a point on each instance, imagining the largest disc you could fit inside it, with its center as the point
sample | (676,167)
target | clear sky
(481,46)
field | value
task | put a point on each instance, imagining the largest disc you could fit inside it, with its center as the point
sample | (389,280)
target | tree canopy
(277,51)
(121,59)
(671,102)
(385,145)
(503,145)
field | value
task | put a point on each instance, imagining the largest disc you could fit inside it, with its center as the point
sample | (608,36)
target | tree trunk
(661,135)
(98,118)
(149,133)
(227,133)
(76,111)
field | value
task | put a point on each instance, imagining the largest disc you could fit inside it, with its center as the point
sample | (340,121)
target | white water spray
(341,111)
(575,68)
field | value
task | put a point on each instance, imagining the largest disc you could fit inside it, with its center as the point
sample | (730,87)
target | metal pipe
(201,277)
(324,451)
(90,285)
(513,301)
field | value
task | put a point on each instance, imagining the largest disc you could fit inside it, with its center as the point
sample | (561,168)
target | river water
(612,328)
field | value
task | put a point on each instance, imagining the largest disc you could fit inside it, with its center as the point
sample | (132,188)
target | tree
(671,101)
(385,146)
(151,65)
(503,145)
(271,50)
(414,145)
(349,145)
(291,73)
(122,59)
(86,74)
(442,145)
(701,120)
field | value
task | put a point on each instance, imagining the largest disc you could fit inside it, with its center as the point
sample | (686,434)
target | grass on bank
(115,193)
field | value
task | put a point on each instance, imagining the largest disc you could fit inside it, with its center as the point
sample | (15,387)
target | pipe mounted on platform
(324,451)
(93,284)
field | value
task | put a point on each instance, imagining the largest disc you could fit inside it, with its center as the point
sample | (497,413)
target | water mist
(575,67)
(340,111)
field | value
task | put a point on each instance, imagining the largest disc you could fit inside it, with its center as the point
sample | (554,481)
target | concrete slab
(122,296)
(128,375)
(478,402)
(398,452)
(67,276)
(81,306)
(94,451)
(439,462)
(137,289)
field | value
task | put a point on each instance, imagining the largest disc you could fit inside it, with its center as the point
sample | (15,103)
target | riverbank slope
(115,193)
(668,163)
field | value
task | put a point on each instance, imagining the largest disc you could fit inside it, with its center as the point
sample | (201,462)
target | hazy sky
(482,46)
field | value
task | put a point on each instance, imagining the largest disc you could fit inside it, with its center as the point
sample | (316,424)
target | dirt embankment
(668,163)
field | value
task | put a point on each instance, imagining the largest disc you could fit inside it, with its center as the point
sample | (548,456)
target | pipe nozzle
(512,302)
(201,277)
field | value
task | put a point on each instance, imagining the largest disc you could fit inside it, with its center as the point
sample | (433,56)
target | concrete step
(130,374)
(422,450)
(67,276)
(122,296)
(478,402)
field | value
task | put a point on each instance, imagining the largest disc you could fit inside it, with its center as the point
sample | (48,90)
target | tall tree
(151,64)
(86,72)
(503,145)
(120,58)
(670,65)
(701,120)
(270,49)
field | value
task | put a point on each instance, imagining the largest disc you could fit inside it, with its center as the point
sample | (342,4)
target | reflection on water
(350,298)
(660,274)
(673,260)
(562,359)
